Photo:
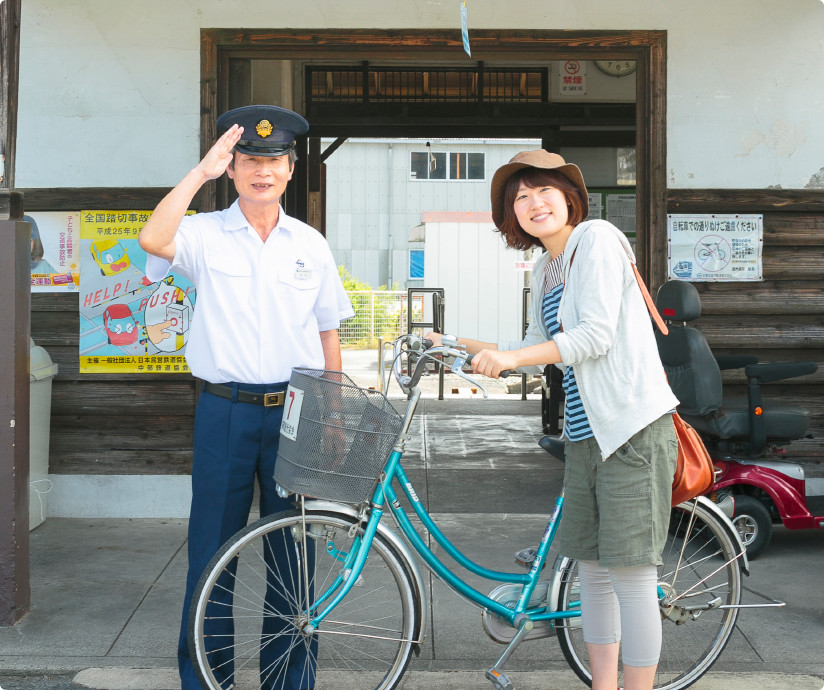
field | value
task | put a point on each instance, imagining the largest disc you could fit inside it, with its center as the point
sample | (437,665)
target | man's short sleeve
(186,249)
(333,305)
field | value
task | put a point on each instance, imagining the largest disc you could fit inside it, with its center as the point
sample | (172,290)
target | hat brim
(264,151)
(498,187)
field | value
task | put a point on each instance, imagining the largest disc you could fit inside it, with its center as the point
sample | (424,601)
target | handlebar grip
(502,375)
(427,343)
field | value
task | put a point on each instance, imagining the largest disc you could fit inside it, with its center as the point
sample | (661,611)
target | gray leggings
(621,605)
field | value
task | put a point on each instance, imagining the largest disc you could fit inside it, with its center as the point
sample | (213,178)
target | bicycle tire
(691,647)
(365,642)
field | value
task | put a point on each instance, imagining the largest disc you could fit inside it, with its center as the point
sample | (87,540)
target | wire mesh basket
(335,437)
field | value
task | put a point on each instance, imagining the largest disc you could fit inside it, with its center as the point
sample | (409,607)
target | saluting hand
(216,161)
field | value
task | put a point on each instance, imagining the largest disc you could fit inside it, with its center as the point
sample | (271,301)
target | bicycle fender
(320,506)
(728,526)
(554,590)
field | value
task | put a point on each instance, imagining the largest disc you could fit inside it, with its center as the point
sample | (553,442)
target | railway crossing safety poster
(712,247)
(128,324)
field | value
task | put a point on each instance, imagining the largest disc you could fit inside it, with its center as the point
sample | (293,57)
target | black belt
(265,399)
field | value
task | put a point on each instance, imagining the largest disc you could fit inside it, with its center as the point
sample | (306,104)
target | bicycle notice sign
(713,247)
(291,413)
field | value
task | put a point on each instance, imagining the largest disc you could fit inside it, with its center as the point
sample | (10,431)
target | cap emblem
(264,128)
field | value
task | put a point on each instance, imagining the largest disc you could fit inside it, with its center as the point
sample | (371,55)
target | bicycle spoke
(700,565)
(248,622)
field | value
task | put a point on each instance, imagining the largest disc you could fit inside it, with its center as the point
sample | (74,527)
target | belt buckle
(273,399)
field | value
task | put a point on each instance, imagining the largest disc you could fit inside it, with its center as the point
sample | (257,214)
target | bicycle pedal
(499,679)
(526,557)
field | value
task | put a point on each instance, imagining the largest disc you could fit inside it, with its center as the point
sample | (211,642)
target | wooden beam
(15,277)
(745,200)
(334,146)
(115,198)
(9,75)
(15,264)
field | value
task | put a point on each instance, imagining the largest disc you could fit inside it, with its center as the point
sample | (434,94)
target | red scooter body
(783,482)
(766,490)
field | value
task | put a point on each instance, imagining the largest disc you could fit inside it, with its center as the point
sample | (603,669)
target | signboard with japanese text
(712,247)
(128,324)
(573,78)
(55,251)
(621,213)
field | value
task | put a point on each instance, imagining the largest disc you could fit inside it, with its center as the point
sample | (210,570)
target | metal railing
(379,314)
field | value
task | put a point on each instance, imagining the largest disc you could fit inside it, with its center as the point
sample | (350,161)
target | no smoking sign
(573,78)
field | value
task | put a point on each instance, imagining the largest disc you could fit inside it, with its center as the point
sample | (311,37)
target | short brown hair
(512,232)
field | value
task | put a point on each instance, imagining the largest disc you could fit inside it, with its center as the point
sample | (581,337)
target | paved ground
(106,593)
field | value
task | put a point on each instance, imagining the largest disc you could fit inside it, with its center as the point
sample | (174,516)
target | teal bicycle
(352,595)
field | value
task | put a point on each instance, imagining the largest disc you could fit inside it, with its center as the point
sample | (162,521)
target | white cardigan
(607,338)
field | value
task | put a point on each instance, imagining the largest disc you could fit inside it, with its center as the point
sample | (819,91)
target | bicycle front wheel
(248,614)
(700,575)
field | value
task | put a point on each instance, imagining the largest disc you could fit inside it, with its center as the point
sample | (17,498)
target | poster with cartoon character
(128,324)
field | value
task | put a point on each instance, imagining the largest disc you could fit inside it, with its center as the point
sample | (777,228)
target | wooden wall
(142,424)
(781,318)
(108,423)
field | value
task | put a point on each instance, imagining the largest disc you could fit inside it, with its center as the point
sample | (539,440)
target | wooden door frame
(647,48)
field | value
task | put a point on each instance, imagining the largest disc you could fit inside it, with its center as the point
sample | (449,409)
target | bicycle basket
(335,437)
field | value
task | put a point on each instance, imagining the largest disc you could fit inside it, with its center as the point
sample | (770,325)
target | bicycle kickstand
(496,675)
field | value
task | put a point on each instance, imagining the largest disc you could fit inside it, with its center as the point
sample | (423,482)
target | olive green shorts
(616,511)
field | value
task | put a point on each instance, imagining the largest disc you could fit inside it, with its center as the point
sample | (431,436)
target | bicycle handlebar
(423,350)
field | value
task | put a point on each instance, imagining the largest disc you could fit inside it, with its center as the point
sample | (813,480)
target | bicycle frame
(385,496)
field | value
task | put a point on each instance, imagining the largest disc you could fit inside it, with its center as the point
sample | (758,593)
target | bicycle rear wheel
(707,577)
(248,610)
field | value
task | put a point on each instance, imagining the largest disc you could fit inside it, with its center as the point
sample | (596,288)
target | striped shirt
(576,424)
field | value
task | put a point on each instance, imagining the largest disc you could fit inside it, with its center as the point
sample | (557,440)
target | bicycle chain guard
(502,631)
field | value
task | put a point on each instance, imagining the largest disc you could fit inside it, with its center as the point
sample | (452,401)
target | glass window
(427,166)
(475,166)
(416,263)
(433,166)
(418,167)
(437,166)
(466,166)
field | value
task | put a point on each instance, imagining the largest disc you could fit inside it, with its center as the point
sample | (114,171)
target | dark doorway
(420,84)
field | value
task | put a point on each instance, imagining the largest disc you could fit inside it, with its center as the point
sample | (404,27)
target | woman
(588,316)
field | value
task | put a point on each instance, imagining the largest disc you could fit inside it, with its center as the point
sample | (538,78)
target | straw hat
(533,159)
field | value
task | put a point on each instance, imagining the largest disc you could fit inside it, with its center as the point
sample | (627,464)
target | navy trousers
(235,443)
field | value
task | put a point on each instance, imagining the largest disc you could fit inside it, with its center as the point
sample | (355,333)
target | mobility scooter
(745,437)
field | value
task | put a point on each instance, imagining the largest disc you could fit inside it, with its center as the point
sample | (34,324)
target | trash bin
(41,373)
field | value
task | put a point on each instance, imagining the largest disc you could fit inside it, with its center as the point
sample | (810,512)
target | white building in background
(378,190)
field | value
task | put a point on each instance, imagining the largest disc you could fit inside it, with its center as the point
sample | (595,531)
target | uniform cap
(268,130)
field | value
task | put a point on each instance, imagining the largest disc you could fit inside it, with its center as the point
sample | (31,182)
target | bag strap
(650,306)
(653,312)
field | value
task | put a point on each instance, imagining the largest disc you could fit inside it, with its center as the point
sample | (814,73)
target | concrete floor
(106,594)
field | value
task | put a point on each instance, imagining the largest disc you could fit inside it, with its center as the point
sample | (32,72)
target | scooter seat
(781,422)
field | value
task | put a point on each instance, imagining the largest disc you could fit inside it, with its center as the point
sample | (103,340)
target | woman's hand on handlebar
(435,338)
(492,362)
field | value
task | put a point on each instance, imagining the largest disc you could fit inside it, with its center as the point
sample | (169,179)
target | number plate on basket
(291,413)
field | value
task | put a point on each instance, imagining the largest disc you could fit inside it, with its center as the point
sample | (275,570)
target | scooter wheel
(754,524)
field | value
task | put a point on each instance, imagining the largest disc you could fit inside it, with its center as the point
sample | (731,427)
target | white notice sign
(712,247)
(291,413)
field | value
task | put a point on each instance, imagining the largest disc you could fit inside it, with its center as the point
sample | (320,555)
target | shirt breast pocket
(301,289)
(231,278)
